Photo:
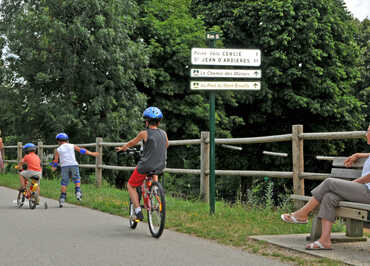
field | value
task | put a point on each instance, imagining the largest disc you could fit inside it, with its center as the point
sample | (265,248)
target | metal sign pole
(212,37)
(212,160)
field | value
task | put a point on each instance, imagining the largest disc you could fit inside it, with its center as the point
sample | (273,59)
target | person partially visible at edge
(327,196)
(65,157)
(1,153)
(153,159)
(33,163)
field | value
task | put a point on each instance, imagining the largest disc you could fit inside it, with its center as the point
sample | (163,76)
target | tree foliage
(310,60)
(363,86)
(75,67)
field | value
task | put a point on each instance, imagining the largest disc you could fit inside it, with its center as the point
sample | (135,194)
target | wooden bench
(355,214)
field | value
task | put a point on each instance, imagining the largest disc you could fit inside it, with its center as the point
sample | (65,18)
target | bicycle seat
(154,172)
(35,177)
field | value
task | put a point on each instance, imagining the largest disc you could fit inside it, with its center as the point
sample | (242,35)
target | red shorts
(136,179)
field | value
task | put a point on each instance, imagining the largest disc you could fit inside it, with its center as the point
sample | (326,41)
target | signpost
(222,57)
(226,73)
(225,85)
(226,57)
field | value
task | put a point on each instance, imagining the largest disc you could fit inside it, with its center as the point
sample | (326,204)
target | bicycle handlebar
(130,151)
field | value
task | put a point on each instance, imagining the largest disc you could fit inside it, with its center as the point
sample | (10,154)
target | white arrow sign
(226,57)
(224,85)
(226,73)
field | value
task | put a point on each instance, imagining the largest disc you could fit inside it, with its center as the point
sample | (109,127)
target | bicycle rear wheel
(157,210)
(20,199)
(33,200)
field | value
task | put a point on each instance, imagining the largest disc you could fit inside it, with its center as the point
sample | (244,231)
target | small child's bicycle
(30,193)
(154,202)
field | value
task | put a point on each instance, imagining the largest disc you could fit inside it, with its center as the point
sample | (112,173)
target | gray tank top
(154,155)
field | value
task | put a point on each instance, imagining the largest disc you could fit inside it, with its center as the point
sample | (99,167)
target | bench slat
(339,162)
(346,173)
(348,204)
(360,215)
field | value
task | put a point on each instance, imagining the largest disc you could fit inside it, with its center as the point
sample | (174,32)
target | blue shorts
(70,172)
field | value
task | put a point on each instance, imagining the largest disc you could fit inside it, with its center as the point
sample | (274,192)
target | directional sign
(226,57)
(226,73)
(224,85)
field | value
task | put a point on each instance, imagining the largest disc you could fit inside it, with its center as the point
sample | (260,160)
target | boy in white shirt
(65,155)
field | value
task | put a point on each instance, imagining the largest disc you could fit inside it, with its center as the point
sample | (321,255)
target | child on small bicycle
(153,159)
(65,155)
(34,170)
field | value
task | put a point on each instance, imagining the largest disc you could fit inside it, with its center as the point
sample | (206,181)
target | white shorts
(28,174)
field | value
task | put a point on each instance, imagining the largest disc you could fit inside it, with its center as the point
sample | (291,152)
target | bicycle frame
(33,188)
(145,191)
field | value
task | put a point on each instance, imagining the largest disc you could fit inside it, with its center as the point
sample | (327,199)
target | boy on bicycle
(153,159)
(65,155)
(33,162)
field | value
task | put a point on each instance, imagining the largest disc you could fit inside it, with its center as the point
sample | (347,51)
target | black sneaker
(139,216)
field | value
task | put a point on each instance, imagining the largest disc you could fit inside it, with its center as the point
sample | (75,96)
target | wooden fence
(297,138)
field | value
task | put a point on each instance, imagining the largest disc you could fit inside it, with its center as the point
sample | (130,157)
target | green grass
(229,225)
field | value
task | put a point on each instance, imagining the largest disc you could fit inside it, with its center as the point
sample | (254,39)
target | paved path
(80,236)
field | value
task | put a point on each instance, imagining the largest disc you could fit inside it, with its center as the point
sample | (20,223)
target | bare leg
(303,212)
(301,215)
(21,180)
(63,189)
(133,195)
(325,239)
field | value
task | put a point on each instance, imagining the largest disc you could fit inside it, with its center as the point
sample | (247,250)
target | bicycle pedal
(137,221)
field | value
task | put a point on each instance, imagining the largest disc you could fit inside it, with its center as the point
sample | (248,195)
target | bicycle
(30,193)
(154,202)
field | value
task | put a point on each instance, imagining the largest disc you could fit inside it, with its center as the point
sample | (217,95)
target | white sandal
(292,219)
(319,246)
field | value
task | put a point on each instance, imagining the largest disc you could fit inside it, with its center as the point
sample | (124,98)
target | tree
(310,59)
(75,68)
(170,32)
(363,86)
(310,65)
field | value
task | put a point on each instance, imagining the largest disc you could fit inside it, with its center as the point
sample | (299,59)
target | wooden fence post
(99,162)
(40,152)
(19,152)
(204,166)
(297,150)
(2,151)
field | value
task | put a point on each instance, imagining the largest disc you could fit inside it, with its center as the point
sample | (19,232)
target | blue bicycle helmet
(29,147)
(152,113)
(62,136)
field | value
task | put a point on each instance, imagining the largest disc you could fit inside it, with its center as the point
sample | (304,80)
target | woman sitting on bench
(328,194)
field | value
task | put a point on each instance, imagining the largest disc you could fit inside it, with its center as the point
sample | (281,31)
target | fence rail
(297,138)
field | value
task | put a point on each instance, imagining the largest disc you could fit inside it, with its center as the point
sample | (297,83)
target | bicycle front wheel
(20,199)
(157,210)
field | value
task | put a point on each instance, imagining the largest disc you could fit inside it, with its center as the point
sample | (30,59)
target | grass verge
(230,225)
